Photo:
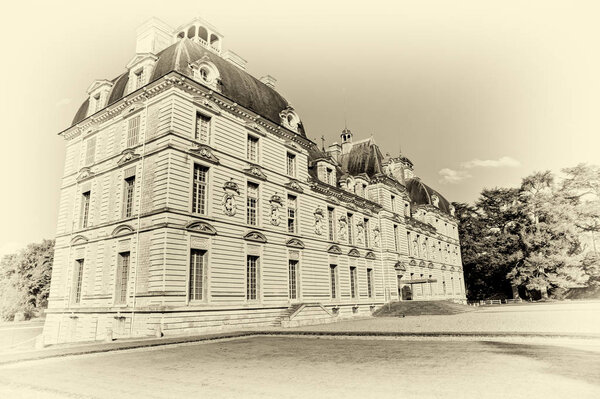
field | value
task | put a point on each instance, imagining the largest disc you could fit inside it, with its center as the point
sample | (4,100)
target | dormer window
(290,119)
(97,103)
(330,176)
(139,78)
(206,72)
(98,92)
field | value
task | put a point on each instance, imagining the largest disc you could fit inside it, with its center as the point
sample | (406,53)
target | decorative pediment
(295,243)
(255,236)
(354,252)
(276,200)
(452,268)
(132,108)
(412,262)
(430,265)
(255,171)
(127,156)
(399,266)
(205,103)
(122,230)
(201,227)
(294,185)
(443,267)
(334,249)
(422,263)
(99,84)
(84,174)
(203,152)
(79,239)
(256,128)
(370,255)
(138,58)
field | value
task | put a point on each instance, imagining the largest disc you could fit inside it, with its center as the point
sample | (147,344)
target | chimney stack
(269,81)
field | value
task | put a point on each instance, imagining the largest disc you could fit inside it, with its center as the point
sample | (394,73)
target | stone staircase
(304,314)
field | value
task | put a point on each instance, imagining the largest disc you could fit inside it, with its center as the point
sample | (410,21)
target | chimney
(269,81)
(334,150)
(153,36)
(235,59)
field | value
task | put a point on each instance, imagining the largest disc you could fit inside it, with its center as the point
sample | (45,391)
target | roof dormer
(206,73)
(98,92)
(290,119)
(140,69)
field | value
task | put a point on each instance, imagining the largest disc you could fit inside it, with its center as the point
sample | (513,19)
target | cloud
(491,163)
(63,102)
(451,176)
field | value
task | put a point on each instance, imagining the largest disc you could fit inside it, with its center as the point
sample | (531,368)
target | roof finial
(323,142)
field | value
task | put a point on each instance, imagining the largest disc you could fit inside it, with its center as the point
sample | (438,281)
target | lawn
(288,367)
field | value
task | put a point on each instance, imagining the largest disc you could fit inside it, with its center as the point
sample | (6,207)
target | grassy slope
(418,308)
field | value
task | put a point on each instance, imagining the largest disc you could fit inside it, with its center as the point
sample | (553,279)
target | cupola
(346,140)
(200,31)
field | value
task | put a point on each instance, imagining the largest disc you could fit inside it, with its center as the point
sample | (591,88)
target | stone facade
(192,201)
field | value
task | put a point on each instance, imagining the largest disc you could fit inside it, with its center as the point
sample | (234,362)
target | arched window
(191,32)
(203,33)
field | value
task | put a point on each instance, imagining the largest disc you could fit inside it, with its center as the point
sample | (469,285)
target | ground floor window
(353,282)
(252,264)
(293,278)
(197,274)
(78,281)
(370,283)
(333,278)
(122,278)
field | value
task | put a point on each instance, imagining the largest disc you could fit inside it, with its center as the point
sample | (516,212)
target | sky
(476,93)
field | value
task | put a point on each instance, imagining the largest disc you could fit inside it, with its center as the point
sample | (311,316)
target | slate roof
(236,84)
(420,194)
(364,157)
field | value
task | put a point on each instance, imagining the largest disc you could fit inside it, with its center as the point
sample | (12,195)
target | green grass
(418,308)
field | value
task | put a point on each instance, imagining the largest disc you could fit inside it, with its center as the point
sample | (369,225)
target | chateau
(192,201)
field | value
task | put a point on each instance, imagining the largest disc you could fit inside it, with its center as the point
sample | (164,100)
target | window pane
(370,282)
(293,279)
(291,165)
(90,151)
(122,278)
(85,209)
(133,131)
(252,204)
(251,277)
(128,197)
(78,280)
(353,282)
(202,133)
(252,149)
(350,222)
(331,224)
(291,205)
(333,277)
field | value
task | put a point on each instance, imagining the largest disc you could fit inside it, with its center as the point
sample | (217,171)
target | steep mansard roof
(421,194)
(364,157)
(236,84)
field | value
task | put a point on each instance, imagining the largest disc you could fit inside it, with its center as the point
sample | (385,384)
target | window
(133,131)
(353,282)
(370,283)
(293,278)
(330,176)
(197,274)
(128,197)
(252,204)
(407,210)
(202,132)
(122,278)
(331,221)
(393,198)
(199,189)
(396,243)
(252,149)
(139,78)
(128,193)
(97,103)
(291,164)
(426,248)
(251,277)
(85,209)
(333,278)
(78,281)
(90,151)
(364,190)
(350,222)
(291,205)
(366,231)
(409,243)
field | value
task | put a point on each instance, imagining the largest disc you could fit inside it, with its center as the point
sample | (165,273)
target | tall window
(406,209)
(251,277)
(364,190)
(199,189)
(122,278)
(291,206)
(252,204)
(410,250)
(90,151)
(393,198)
(350,223)
(329,176)
(366,231)
(97,103)
(133,131)
(291,164)
(128,196)
(252,149)
(333,278)
(426,248)
(353,282)
(202,132)
(331,222)
(78,280)
(370,283)
(197,274)
(293,278)
(139,78)
(396,243)
(85,209)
